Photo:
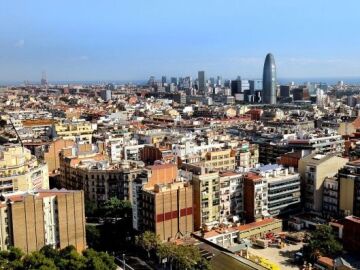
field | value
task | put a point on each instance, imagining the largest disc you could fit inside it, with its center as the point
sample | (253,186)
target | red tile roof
(228,173)
(256,224)
(252,176)
(353,219)
(326,261)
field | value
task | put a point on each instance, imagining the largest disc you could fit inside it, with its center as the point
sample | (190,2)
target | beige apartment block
(313,170)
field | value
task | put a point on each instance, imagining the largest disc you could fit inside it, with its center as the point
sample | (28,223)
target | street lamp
(124,264)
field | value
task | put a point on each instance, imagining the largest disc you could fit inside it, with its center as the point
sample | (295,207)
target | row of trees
(49,258)
(177,256)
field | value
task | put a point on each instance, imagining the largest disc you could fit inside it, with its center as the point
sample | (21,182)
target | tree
(11,259)
(167,251)
(187,257)
(71,259)
(90,208)
(49,258)
(322,243)
(184,257)
(99,260)
(204,265)
(37,260)
(148,241)
(50,252)
(93,236)
(116,208)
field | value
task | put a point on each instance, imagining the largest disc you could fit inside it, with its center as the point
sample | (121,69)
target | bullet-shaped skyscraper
(269,80)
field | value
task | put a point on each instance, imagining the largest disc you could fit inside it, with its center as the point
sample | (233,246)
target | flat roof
(228,173)
(353,219)
(257,224)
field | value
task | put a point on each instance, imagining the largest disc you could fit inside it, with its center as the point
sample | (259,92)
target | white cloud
(20,43)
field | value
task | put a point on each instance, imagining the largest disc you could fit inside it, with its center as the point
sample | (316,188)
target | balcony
(275,187)
(271,195)
(273,208)
(282,199)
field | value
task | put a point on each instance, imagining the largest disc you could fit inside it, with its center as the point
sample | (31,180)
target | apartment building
(40,128)
(220,159)
(255,197)
(349,189)
(167,210)
(322,144)
(351,234)
(151,153)
(31,220)
(231,195)
(330,207)
(21,171)
(206,186)
(74,130)
(120,146)
(92,172)
(271,190)
(314,169)
(158,174)
(283,189)
(246,155)
(50,153)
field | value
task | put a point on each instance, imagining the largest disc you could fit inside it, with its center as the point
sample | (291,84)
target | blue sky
(133,39)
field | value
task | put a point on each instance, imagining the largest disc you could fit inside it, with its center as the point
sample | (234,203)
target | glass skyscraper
(269,80)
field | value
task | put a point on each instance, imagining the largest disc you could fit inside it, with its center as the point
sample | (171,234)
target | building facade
(74,130)
(100,180)
(21,171)
(231,196)
(31,220)
(269,80)
(349,189)
(167,210)
(314,169)
(206,199)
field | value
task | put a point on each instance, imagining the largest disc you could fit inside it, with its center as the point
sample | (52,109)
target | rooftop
(353,219)
(256,224)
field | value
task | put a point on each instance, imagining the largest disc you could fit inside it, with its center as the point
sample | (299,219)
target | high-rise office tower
(219,81)
(255,85)
(151,81)
(163,80)
(187,83)
(105,94)
(284,91)
(212,81)
(201,79)
(255,91)
(174,80)
(269,80)
(44,79)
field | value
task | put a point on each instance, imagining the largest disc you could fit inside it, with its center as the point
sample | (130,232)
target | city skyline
(132,43)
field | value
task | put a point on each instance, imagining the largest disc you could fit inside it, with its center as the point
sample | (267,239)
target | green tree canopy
(50,259)
(112,208)
(37,260)
(116,208)
(322,243)
(93,236)
(148,241)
